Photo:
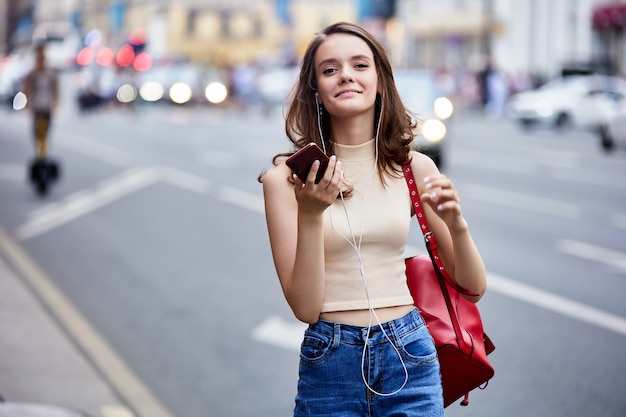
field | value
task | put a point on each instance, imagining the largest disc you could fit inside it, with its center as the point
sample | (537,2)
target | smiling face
(346,76)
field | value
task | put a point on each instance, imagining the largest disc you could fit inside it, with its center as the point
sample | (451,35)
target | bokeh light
(180,93)
(433,130)
(19,101)
(85,56)
(127,93)
(93,38)
(143,62)
(216,92)
(125,56)
(137,37)
(443,108)
(105,57)
(151,91)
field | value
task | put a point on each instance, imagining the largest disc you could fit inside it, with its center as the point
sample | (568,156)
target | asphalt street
(143,284)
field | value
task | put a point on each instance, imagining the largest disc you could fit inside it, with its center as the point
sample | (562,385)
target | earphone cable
(357,248)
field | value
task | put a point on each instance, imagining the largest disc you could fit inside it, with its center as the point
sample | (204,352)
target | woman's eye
(328,71)
(362,66)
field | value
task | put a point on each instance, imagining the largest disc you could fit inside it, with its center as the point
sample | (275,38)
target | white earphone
(356,245)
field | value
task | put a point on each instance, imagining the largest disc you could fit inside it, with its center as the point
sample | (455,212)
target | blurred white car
(574,101)
(422,95)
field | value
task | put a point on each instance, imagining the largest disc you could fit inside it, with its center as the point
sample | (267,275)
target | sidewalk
(40,365)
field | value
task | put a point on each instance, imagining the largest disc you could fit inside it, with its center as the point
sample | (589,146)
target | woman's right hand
(315,198)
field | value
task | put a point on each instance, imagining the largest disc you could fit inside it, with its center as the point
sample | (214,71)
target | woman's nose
(346,75)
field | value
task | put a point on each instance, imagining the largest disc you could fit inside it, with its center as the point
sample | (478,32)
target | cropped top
(376,220)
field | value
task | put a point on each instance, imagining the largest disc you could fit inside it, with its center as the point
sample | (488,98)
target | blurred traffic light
(125,56)
(137,40)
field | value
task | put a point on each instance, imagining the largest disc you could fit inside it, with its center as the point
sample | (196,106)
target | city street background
(155,236)
(142,284)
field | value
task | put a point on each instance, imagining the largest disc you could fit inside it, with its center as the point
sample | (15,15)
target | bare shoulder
(422,165)
(277,177)
(278,194)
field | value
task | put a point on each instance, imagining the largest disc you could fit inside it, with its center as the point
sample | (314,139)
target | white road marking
(73,206)
(522,201)
(97,150)
(187,181)
(115,411)
(557,303)
(593,253)
(244,199)
(219,159)
(80,204)
(12,172)
(50,207)
(288,334)
(279,332)
(112,367)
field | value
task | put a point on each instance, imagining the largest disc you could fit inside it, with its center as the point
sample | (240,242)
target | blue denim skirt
(397,374)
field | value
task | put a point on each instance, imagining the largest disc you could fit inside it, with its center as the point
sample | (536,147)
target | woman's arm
(294,214)
(445,219)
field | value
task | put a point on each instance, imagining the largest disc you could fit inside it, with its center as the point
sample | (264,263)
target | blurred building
(545,37)
(16,25)
(221,31)
(198,30)
(609,25)
(532,36)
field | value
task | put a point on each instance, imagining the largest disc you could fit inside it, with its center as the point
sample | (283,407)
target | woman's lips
(347,92)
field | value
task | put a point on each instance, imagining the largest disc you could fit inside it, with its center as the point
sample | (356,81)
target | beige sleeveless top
(376,220)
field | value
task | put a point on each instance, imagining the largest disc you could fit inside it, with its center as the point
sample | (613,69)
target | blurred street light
(216,92)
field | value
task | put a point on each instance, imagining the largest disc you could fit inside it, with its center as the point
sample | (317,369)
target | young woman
(338,244)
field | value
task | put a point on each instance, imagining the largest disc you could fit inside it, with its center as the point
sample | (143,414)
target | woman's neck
(352,130)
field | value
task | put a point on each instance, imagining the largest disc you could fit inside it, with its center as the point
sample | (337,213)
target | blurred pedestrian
(244,78)
(482,78)
(498,87)
(338,245)
(494,90)
(41,87)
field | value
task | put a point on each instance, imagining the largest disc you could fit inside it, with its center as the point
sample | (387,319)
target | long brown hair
(396,123)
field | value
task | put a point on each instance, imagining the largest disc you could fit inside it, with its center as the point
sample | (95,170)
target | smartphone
(301,161)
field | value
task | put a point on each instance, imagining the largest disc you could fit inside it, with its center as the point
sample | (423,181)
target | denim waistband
(358,334)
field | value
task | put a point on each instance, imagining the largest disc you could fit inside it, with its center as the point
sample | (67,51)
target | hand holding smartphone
(301,161)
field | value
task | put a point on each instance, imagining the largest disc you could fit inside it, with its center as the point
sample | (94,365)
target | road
(156,239)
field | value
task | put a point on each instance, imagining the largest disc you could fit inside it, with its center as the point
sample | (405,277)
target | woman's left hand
(443,198)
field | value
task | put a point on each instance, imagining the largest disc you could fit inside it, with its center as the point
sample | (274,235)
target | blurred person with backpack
(41,87)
